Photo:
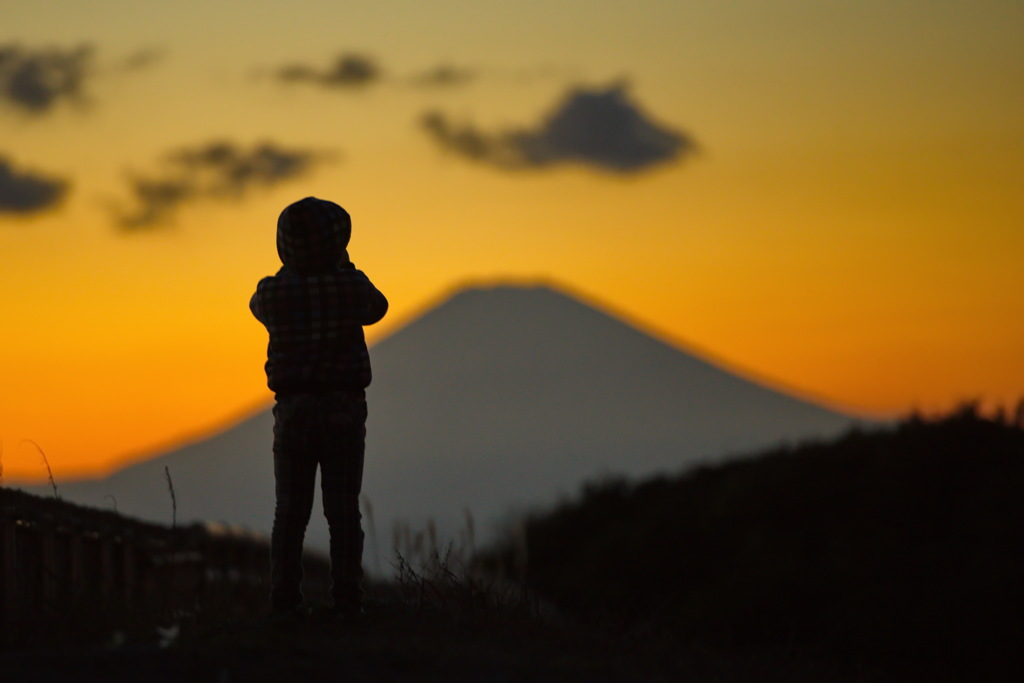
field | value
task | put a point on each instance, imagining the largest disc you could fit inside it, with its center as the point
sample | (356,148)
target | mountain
(497,400)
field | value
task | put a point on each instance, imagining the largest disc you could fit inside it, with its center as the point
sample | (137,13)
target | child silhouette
(318,367)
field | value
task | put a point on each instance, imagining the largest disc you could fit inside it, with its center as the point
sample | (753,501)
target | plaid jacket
(315,325)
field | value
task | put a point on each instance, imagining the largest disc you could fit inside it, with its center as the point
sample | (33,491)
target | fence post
(63,566)
(49,570)
(76,561)
(28,563)
(130,572)
(108,580)
(9,570)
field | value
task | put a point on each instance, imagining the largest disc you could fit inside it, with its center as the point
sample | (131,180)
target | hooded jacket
(315,307)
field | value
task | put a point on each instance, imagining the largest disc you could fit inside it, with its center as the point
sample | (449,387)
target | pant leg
(295,481)
(341,472)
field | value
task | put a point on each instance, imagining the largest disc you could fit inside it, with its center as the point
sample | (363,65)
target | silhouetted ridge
(892,548)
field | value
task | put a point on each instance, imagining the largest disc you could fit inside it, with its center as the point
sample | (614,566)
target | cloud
(36,80)
(348,71)
(142,59)
(444,75)
(355,70)
(219,170)
(23,192)
(447,75)
(600,128)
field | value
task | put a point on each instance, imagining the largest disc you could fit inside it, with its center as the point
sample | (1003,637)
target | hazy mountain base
(891,555)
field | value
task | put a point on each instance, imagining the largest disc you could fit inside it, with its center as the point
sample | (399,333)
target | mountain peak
(508,289)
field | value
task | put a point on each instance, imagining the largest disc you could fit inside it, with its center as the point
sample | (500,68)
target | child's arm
(254,306)
(373,304)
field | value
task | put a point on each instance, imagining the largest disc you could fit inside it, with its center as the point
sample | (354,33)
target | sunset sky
(825,196)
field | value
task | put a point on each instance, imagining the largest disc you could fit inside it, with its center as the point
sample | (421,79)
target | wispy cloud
(348,71)
(142,59)
(354,71)
(35,80)
(219,170)
(25,192)
(600,128)
(444,75)
(448,75)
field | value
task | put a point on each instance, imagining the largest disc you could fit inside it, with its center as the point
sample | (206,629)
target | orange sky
(850,227)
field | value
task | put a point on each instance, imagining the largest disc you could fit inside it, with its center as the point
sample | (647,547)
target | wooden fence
(71,573)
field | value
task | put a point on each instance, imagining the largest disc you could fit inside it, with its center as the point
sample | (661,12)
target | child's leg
(295,479)
(341,471)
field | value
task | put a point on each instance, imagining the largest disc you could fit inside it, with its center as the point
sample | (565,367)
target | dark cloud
(156,199)
(496,148)
(232,170)
(36,80)
(348,71)
(217,170)
(23,192)
(600,128)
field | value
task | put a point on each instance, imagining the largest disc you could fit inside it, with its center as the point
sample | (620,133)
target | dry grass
(46,462)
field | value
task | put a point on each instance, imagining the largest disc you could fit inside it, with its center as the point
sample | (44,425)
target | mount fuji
(499,400)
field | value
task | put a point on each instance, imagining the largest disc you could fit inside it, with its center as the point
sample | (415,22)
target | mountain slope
(497,399)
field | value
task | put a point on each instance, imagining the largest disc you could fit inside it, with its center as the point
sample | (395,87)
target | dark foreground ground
(397,640)
(416,639)
(394,642)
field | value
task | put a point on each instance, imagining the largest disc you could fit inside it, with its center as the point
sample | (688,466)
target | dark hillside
(895,550)
(73,575)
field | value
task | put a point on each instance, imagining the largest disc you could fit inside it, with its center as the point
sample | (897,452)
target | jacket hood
(312,235)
